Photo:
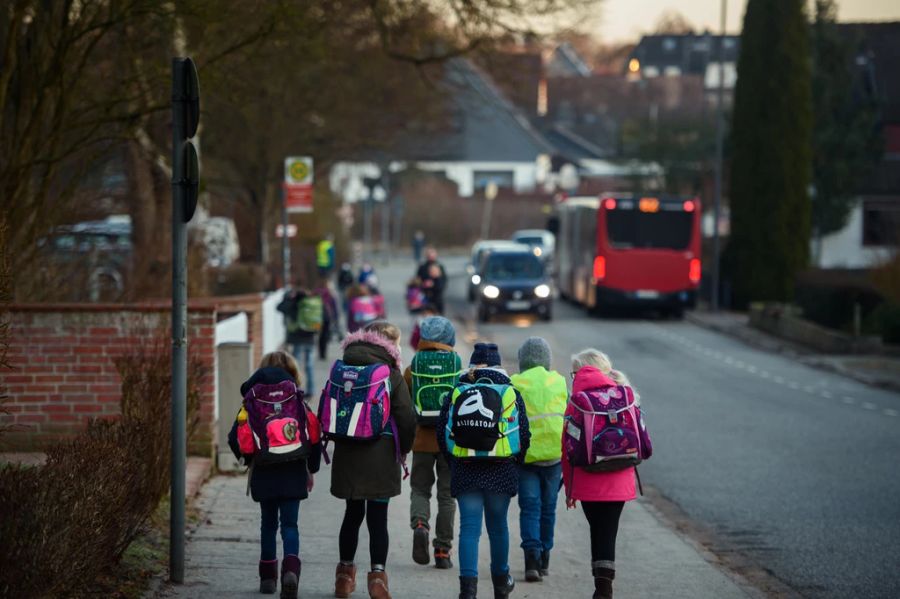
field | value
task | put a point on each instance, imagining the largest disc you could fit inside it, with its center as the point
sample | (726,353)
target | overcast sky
(624,20)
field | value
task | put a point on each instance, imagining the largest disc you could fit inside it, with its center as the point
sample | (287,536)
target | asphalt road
(795,469)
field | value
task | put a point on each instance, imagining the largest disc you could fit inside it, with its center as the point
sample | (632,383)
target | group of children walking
(481,435)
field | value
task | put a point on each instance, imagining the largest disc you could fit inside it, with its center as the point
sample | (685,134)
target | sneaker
(420,545)
(442,559)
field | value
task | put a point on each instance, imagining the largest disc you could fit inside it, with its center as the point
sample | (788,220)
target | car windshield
(509,268)
(531,240)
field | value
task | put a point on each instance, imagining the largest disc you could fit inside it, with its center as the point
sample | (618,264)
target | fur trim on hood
(363,336)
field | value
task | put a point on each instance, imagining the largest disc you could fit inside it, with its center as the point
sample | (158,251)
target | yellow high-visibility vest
(545,395)
(323,253)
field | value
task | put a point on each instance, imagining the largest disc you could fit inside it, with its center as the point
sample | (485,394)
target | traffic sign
(298,182)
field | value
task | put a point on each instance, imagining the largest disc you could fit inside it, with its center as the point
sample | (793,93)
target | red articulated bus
(623,249)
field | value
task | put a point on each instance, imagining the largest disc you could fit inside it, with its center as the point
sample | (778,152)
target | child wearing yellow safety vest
(545,395)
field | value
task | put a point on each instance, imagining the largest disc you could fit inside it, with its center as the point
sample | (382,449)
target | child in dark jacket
(277,487)
(485,487)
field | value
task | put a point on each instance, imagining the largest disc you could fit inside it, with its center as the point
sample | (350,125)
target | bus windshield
(511,267)
(669,230)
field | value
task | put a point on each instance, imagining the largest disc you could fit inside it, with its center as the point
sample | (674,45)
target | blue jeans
(303,353)
(285,512)
(538,488)
(494,506)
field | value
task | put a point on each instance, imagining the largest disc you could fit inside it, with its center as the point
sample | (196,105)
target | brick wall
(63,371)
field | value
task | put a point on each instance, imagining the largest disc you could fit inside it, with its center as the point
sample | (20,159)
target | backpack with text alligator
(606,432)
(483,422)
(434,375)
(310,314)
(356,402)
(274,424)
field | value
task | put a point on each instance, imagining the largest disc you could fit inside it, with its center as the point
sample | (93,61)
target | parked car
(479,250)
(514,281)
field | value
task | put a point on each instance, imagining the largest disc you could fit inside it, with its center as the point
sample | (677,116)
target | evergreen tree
(771,153)
(846,139)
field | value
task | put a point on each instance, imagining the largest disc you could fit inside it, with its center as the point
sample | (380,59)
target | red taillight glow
(693,272)
(689,206)
(609,203)
(599,268)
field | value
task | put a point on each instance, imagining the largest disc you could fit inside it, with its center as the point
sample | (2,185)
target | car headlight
(542,290)
(538,251)
(476,279)
(491,292)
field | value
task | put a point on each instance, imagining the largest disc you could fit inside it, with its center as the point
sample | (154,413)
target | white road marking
(809,389)
(794,386)
(779,380)
(849,400)
(869,405)
(890,412)
(827,395)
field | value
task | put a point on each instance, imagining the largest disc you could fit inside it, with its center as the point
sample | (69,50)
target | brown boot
(603,579)
(378,585)
(344,580)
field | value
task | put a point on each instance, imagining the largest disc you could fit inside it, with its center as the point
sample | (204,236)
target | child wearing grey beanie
(534,352)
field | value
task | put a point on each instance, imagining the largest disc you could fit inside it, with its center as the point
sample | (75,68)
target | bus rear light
(689,206)
(599,268)
(609,203)
(694,271)
(649,205)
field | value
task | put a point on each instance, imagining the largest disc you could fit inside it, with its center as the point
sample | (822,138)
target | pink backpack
(606,430)
(363,310)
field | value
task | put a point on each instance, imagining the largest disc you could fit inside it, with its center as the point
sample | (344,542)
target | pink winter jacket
(596,486)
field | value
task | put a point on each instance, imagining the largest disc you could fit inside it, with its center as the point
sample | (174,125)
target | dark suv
(514,281)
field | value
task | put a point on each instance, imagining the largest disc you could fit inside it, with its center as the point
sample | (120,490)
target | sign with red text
(298,182)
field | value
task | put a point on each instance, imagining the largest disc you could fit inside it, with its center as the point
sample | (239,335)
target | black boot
(532,566)
(468,587)
(503,585)
(603,579)
(545,563)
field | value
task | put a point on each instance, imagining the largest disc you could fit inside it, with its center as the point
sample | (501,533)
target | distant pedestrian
(366,474)
(368,277)
(433,374)
(484,433)
(434,279)
(325,256)
(303,316)
(279,479)
(331,316)
(345,278)
(418,245)
(545,395)
(602,494)
(363,307)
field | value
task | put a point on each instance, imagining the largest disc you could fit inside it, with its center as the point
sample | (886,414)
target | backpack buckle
(612,416)
(348,387)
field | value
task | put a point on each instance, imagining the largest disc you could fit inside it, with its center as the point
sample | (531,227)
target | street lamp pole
(490,192)
(720,133)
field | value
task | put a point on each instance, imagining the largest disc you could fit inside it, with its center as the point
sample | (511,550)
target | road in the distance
(796,468)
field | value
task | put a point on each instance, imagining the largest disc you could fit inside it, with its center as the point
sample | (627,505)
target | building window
(881,222)
(500,178)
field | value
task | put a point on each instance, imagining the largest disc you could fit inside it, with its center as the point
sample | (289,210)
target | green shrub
(68,521)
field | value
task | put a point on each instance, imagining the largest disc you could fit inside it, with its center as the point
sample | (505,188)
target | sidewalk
(878,371)
(654,560)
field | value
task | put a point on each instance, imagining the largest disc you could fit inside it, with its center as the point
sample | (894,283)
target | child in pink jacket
(602,494)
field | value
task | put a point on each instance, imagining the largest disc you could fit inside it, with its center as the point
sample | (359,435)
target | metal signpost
(720,133)
(185,183)
(296,197)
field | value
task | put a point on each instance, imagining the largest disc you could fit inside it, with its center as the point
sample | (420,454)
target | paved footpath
(653,560)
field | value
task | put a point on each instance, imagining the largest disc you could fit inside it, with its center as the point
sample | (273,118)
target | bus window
(649,230)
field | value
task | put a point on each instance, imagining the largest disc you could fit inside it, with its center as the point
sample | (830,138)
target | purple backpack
(606,431)
(356,402)
(279,426)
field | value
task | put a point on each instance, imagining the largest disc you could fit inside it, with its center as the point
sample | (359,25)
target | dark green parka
(369,470)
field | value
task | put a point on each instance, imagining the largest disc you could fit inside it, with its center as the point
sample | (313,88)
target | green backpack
(434,375)
(309,315)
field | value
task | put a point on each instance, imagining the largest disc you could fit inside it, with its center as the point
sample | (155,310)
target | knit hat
(437,329)
(485,353)
(534,352)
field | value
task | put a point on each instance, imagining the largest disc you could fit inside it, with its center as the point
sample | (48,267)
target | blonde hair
(285,361)
(389,331)
(600,361)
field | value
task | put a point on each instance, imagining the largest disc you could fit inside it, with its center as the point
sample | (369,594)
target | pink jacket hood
(363,336)
(590,377)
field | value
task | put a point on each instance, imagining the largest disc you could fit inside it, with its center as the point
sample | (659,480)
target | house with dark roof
(872,233)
